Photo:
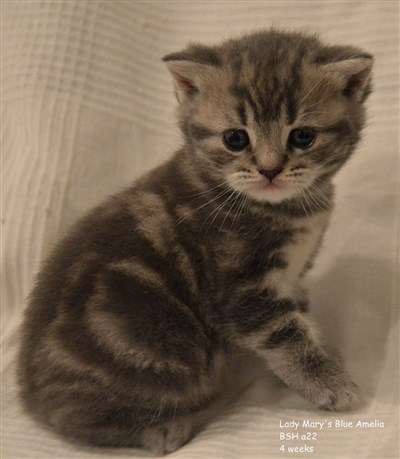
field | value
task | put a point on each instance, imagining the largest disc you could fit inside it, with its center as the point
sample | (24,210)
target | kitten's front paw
(342,398)
(335,390)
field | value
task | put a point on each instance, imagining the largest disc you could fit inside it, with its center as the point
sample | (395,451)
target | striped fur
(137,316)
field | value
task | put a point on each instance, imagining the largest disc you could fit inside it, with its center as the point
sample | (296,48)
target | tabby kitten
(138,313)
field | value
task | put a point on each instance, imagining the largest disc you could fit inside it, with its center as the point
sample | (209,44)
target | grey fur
(138,313)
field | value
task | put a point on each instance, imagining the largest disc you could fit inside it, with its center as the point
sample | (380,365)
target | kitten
(139,312)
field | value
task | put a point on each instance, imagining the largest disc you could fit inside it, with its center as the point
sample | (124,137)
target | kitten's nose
(270,173)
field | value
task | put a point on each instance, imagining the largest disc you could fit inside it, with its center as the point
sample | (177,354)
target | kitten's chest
(271,257)
(295,254)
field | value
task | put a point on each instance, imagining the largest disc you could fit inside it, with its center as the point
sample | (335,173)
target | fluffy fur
(139,312)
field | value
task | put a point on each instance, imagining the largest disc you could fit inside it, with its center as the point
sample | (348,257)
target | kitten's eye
(236,139)
(302,138)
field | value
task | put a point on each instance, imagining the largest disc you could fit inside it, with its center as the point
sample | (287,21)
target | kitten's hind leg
(169,436)
(120,427)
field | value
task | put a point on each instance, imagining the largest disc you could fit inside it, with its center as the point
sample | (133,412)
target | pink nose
(270,174)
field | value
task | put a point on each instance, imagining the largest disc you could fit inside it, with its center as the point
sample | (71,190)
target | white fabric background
(88,106)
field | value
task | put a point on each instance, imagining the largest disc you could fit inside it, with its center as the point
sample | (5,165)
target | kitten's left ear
(352,76)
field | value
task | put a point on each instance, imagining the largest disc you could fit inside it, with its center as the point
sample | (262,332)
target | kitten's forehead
(261,94)
(271,76)
(269,79)
(271,82)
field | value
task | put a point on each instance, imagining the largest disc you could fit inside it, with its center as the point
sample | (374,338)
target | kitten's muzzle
(270,174)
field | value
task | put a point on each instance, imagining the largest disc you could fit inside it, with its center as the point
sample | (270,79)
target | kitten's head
(271,113)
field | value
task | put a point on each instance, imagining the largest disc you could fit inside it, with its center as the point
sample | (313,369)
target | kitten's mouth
(265,190)
(274,186)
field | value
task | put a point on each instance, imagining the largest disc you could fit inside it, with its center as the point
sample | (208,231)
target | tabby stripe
(153,307)
(139,270)
(289,333)
(161,254)
(243,93)
(291,110)
(254,269)
(186,243)
(293,88)
(198,132)
(341,128)
(241,109)
(161,263)
(111,334)
(255,312)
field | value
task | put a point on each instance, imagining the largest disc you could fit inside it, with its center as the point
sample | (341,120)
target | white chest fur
(296,254)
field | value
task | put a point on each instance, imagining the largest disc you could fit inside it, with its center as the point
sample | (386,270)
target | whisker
(318,202)
(240,209)
(206,191)
(203,205)
(229,211)
(305,203)
(300,193)
(217,210)
(341,202)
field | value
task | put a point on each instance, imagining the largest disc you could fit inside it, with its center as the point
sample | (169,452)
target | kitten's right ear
(189,76)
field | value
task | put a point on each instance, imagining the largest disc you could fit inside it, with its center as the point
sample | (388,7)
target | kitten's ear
(189,77)
(352,76)
(192,69)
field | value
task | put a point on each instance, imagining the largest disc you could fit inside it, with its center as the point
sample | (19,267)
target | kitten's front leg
(294,353)
(278,332)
